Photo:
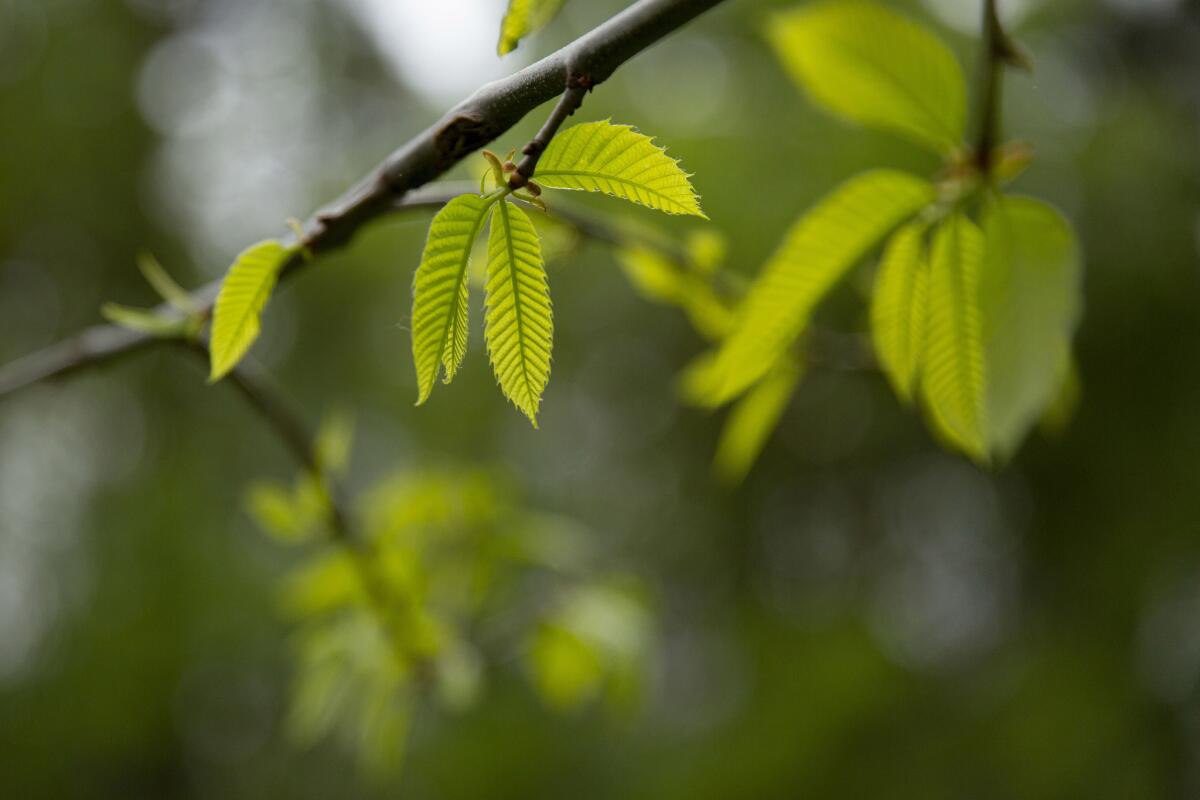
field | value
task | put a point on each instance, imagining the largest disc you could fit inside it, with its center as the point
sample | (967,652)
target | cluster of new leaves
(977,293)
(451,575)
(518,324)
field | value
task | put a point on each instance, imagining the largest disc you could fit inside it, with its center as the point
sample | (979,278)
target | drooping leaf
(875,67)
(1030,300)
(753,418)
(1065,402)
(522,18)
(952,376)
(618,161)
(519,325)
(439,317)
(818,250)
(898,308)
(240,303)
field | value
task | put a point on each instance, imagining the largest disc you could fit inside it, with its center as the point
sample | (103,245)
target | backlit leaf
(519,325)
(875,67)
(753,418)
(1030,300)
(244,294)
(952,377)
(522,18)
(898,308)
(618,161)
(818,250)
(439,318)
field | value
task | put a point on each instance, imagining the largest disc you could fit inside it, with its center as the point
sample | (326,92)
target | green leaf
(519,326)
(439,327)
(165,285)
(753,418)
(523,18)
(144,320)
(818,250)
(1030,301)
(899,306)
(244,294)
(660,280)
(874,67)
(618,161)
(1061,410)
(953,381)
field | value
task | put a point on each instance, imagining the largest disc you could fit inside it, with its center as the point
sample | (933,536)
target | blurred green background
(866,616)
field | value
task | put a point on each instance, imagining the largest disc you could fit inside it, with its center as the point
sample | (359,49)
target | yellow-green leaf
(952,377)
(144,320)
(439,317)
(753,418)
(874,67)
(618,161)
(1030,302)
(244,294)
(818,250)
(898,307)
(519,325)
(522,18)
(659,279)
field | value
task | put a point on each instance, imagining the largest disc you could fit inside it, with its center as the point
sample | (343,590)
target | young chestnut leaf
(244,294)
(618,161)
(953,377)
(875,67)
(753,418)
(439,317)
(519,324)
(522,18)
(818,250)
(1030,301)
(899,308)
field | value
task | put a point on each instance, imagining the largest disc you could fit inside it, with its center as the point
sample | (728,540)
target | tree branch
(998,51)
(469,126)
(568,103)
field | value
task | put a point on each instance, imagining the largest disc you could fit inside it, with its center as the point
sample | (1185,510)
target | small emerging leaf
(244,294)
(144,320)
(617,160)
(439,332)
(899,306)
(165,285)
(519,325)
(523,18)
(953,380)
(875,67)
(818,250)
(752,419)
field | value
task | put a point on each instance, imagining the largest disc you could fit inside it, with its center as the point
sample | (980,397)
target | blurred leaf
(334,441)
(566,669)
(523,18)
(875,67)
(818,250)
(519,323)
(899,306)
(617,160)
(753,418)
(1065,403)
(1030,300)
(165,285)
(953,362)
(276,511)
(326,583)
(707,248)
(144,320)
(244,294)
(439,332)
(459,675)
(1010,160)
(659,279)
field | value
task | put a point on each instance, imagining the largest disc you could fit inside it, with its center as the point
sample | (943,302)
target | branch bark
(476,121)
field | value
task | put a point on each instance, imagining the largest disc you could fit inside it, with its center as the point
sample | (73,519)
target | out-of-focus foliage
(523,18)
(446,574)
(873,66)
